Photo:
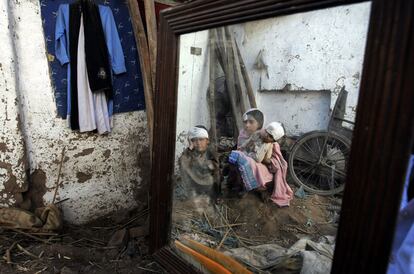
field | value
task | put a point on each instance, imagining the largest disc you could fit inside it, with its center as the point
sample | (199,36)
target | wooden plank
(228,71)
(151,20)
(238,82)
(145,64)
(163,159)
(212,88)
(220,51)
(202,9)
(246,79)
(233,15)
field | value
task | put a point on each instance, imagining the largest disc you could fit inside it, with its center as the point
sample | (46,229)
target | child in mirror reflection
(199,165)
(258,164)
(259,145)
(252,121)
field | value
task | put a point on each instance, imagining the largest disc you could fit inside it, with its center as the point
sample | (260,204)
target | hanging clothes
(92,106)
(89,77)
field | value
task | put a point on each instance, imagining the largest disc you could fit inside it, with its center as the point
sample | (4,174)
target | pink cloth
(260,171)
(282,193)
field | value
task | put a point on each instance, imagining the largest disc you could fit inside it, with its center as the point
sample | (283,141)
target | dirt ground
(249,221)
(119,243)
(92,248)
(254,222)
(234,223)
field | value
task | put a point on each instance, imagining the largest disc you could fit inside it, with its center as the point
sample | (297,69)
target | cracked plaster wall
(100,174)
(12,154)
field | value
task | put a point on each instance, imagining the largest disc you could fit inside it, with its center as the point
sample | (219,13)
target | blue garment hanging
(116,55)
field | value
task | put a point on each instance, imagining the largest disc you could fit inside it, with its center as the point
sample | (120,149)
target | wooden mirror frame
(382,136)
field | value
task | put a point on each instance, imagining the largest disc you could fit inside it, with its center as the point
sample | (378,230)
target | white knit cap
(197,132)
(276,130)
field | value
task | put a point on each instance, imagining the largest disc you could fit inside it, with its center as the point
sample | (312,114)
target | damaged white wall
(305,54)
(12,154)
(100,174)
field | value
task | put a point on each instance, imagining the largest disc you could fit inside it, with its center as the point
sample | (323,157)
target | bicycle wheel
(318,161)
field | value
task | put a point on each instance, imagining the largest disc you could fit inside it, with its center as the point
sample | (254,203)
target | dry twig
(25,251)
(223,239)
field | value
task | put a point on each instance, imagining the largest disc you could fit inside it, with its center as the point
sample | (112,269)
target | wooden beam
(151,20)
(145,64)
(238,78)
(212,88)
(246,79)
(228,71)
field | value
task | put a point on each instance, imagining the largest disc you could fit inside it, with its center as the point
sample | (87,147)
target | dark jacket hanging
(96,51)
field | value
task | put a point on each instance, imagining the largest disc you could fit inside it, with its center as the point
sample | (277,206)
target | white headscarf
(245,115)
(196,132)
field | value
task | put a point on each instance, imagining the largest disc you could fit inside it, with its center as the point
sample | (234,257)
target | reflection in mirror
(264,126)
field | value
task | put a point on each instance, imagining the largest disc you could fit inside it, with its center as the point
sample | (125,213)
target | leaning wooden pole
(238,78)
(229,73)
(212,88)
(246,78)
(151,20)
(144,60)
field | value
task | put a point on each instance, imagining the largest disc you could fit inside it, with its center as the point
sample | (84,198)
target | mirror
(265,114)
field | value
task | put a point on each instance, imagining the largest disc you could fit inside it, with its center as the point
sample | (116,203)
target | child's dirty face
(267,138)
(200,144)
(250,125)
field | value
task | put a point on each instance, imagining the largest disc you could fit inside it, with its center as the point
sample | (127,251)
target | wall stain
(84,152)
(10,186)
(83,177)
(107,153)
(3,147)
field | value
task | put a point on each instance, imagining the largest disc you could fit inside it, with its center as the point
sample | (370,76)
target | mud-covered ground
(114,244)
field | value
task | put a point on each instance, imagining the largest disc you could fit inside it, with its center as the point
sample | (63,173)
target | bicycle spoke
(317,142)
(301,159)
(337,160)
(307,169)
(342,174)
(333,142)
(309,149)
(331,180)
(318,184)
(344,152)
(306,180)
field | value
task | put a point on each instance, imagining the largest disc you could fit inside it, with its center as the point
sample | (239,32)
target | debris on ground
(248,222)
(300,193)
(98,247)
(44,219)
(305,256)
